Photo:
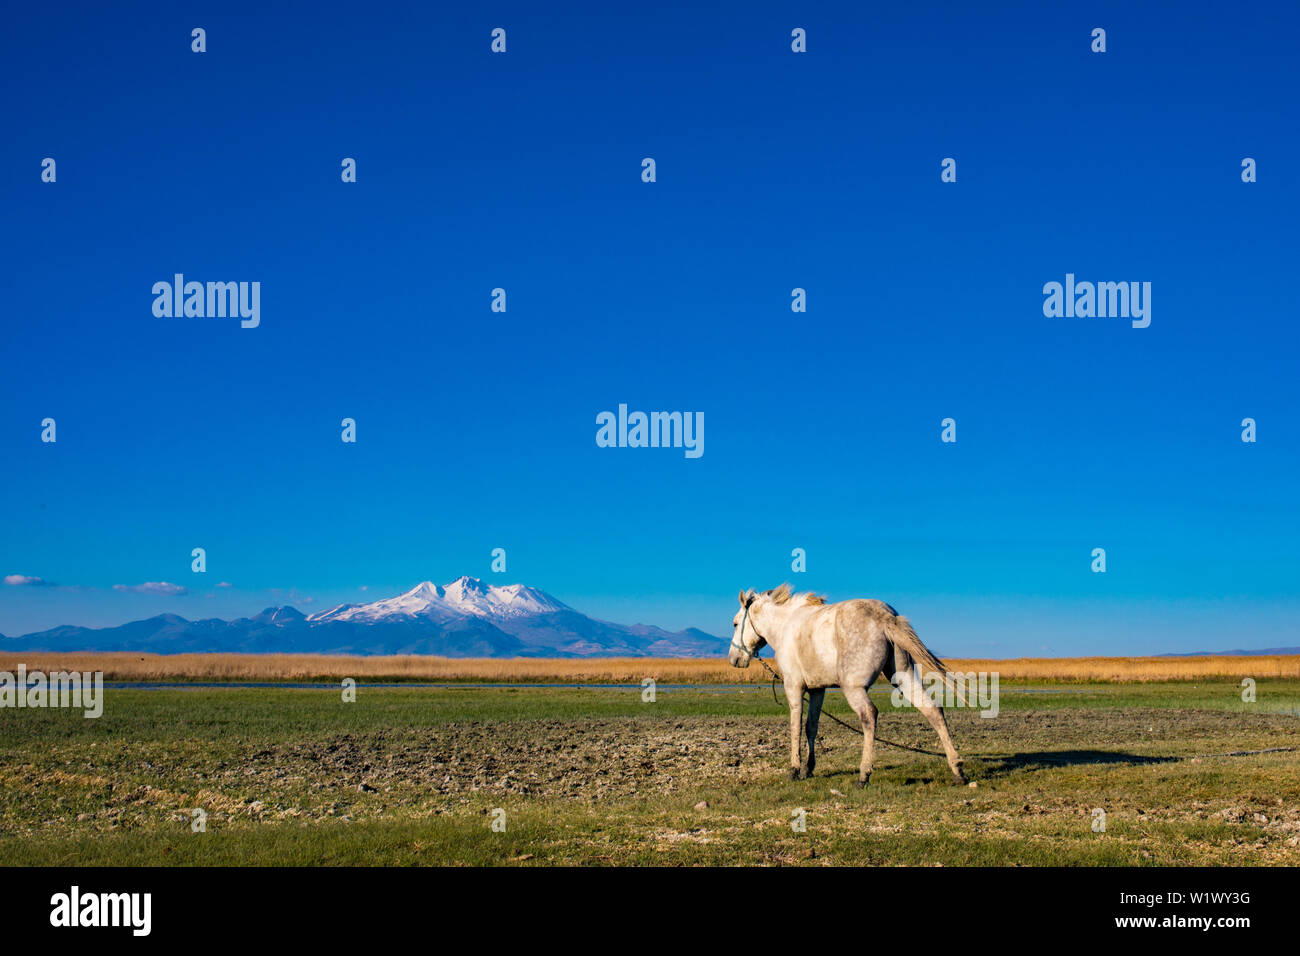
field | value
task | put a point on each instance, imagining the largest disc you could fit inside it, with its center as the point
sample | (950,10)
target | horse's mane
(783,594)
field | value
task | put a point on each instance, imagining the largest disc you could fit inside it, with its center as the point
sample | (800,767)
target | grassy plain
(597,776)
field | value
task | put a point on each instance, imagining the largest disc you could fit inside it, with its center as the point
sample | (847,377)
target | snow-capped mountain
(513,600)
(465,596)
(465,618)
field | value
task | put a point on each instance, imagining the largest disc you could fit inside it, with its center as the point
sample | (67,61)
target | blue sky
(775,170)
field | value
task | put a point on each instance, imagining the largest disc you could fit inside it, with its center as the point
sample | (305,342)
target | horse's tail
(899,630)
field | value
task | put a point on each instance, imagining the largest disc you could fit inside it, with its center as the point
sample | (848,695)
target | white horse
(845,645)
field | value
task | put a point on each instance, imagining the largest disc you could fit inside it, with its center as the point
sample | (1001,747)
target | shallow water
(699,688)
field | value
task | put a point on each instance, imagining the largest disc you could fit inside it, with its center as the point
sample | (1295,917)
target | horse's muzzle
(737,659)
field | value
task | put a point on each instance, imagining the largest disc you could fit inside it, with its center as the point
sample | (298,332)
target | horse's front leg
(794,697)
(815,698)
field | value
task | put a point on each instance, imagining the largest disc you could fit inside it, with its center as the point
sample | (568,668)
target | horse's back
(861,643)
(855,616)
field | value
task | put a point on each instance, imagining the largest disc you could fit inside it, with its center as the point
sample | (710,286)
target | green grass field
(588,776)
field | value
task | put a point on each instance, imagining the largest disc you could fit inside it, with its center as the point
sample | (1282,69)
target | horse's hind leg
(932,712)
(815,698)
(866,711)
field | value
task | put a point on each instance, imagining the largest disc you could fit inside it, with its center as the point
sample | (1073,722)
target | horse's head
(745,642)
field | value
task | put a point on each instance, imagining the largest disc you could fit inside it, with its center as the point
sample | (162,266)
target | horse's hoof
(793,773)
(959,780)
(863,781)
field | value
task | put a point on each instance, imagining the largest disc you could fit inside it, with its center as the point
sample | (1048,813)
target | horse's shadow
(1003,764)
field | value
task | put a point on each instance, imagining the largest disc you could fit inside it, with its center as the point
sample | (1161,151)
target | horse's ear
(742,597)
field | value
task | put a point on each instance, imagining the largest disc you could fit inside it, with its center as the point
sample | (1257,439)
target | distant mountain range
(466,618)
(1278,651)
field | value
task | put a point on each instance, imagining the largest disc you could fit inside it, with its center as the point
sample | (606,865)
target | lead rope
(857,730)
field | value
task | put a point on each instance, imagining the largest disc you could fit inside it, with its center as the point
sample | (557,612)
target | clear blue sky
(477,429)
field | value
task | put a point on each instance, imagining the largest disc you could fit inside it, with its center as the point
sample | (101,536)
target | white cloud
(19,580)
(153,587)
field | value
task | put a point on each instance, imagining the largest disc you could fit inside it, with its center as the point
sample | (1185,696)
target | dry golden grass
(1142,670)
(317,667)
(308,667)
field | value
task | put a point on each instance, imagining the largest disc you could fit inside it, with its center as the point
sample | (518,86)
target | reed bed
(317,667)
